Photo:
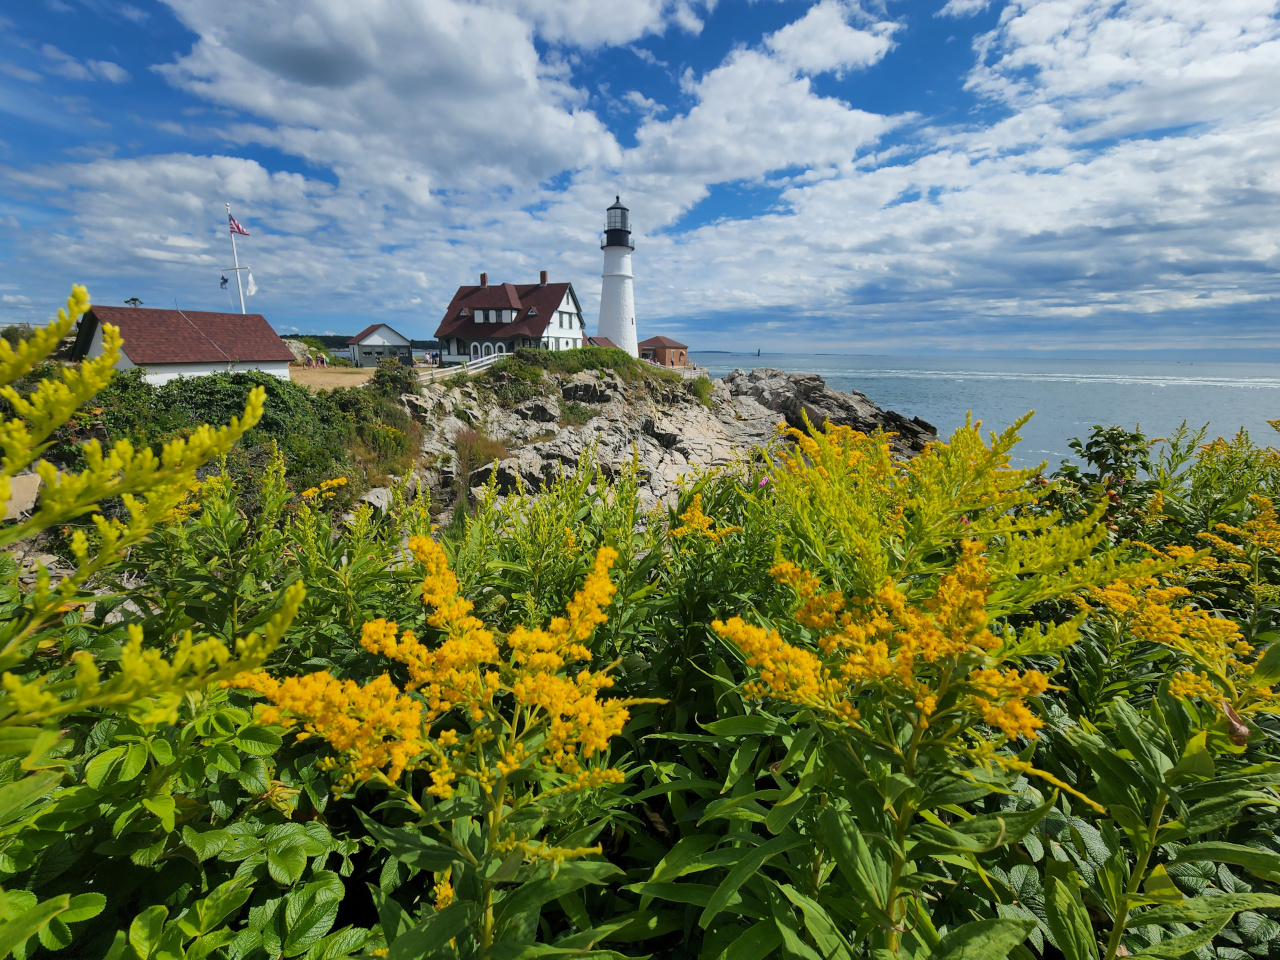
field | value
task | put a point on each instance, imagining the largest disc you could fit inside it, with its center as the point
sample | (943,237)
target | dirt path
(326,378)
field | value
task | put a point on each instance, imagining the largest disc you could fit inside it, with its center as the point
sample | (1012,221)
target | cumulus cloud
(824,41)
(1122,182)
(963,8)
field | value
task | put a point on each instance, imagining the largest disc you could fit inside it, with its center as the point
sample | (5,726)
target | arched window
(488,349)
(502,348)
(475,351)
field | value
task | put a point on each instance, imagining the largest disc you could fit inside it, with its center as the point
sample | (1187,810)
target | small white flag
(252,288)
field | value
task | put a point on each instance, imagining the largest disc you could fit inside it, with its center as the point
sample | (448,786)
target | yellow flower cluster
(516,704)
(912,652)
(326,490)
(697,523)
(1159,614)
(373,728)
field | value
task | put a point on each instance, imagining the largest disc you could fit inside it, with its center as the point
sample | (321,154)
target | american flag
(235,226)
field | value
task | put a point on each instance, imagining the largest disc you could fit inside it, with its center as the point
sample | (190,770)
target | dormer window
(533,311)
(464,312)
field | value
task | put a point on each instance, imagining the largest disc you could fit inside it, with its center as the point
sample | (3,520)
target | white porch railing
(467,367)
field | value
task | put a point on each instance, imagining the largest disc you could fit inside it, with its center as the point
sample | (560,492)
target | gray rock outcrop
(661,426)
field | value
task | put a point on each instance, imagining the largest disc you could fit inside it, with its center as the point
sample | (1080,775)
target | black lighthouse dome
(617,226)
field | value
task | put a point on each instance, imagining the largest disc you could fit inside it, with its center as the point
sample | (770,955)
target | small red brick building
(664,351)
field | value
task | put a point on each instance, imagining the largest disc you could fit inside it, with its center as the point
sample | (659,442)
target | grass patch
(620,362)
(474,449)
(511,382)
(575,414)
(700,387)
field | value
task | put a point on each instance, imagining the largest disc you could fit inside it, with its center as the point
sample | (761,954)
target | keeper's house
(486,320)
(378,342)
(185,343)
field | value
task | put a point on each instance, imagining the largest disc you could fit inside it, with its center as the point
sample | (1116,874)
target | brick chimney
(542,279)
(484,280)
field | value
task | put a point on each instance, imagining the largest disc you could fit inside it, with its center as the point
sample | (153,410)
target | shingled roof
(185,336)
(663,342)
(535,303)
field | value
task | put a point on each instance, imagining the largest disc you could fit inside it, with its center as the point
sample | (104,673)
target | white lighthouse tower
(617,303)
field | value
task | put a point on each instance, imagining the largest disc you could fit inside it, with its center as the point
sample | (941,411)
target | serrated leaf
(135,759)
(84,906)
(258,741)
(286,861)
(163,807)
(21,928)
(146,928)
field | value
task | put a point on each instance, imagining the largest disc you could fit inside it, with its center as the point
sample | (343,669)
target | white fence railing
(467,367)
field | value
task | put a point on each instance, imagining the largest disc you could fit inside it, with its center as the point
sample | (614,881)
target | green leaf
(978,834)
(286,861)
(751,862)
(307,918)
(17,931)
(983,940)
(519,912)
(144,932)
(162,750)
(1196,763)
(164,808)
(411,848)
(225,900)
(1177,946)
(97,769)
(1261,863)
(865,873)
(206,844)
(1068,918)
(1160,888)
(16,797)
(55,934)
(741,726)
(433,934)
(1266,670)
(135,759)
(1199,909)
(823,931)
(684,854)
(758,941)
(84,906)
(258,741)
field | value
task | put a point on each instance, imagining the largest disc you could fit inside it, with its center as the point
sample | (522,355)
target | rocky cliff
(665,424)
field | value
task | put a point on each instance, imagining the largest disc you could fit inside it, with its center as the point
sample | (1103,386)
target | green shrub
(392,379)
(511,381)
(594,358)
(574,413)
(700,387)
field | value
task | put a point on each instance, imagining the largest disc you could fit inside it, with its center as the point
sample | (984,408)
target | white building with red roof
(185,343)
(501,318)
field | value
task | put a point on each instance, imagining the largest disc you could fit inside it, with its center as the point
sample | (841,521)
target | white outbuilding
(185,343)
(378,342)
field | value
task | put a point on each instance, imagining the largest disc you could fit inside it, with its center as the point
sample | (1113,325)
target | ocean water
(1068,396)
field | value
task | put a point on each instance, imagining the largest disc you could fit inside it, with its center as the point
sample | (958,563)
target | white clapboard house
(502,317)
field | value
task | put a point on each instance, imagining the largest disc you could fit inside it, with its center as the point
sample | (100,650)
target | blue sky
(940,176)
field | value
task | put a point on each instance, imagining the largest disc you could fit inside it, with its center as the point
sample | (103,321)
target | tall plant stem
(1135,879)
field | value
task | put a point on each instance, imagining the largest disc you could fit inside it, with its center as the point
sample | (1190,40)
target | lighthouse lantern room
(617,302)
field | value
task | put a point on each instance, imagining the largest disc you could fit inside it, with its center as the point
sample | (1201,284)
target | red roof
(372,327)
(601,342)
(662,342)
(185,336)
(536,305)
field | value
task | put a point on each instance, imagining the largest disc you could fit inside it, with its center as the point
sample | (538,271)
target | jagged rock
(542,410)
(798,396)
(24,490)
(589,387)
(299,349)
(380,497)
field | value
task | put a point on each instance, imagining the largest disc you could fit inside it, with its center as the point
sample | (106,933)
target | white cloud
(68,66)
(1126,185)
(823,40)
(963,8)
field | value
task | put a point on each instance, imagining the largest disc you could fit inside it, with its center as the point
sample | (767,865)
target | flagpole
(235,259)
